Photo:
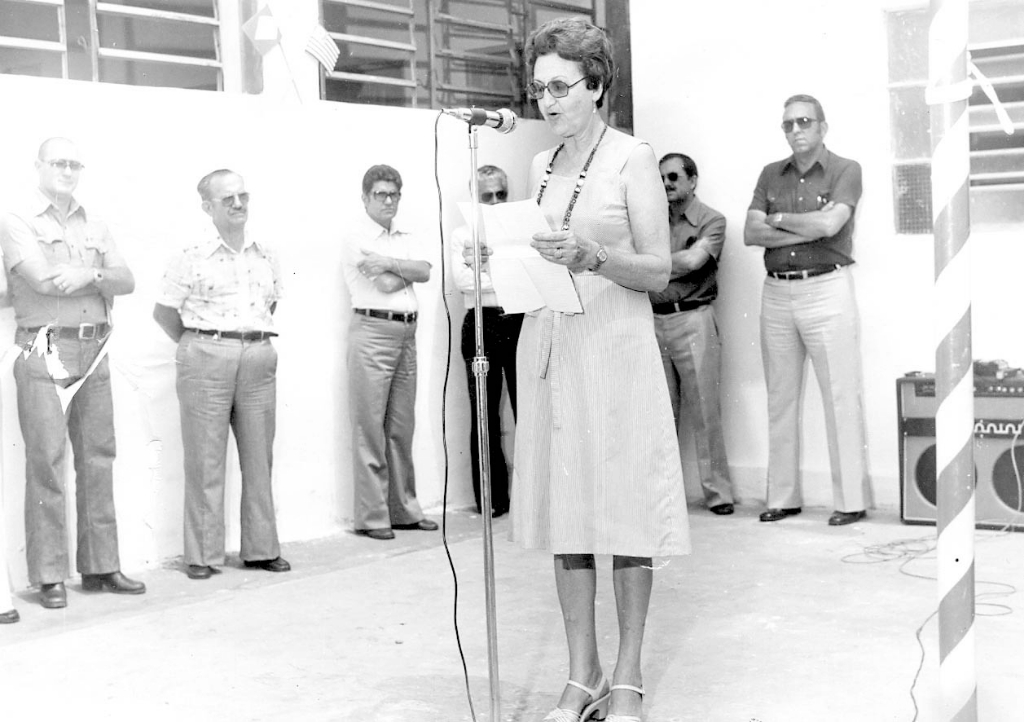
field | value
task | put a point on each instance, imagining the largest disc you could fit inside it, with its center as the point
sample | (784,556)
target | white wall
(144,150)
(709,80)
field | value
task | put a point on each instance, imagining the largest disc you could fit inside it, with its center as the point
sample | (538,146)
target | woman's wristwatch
(600,258)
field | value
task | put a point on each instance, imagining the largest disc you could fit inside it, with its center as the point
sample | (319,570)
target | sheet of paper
(523,281)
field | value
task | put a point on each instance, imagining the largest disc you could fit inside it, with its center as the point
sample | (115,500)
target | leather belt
(677,306)
(235,335)
(81,332)
(803,275)
(387,315)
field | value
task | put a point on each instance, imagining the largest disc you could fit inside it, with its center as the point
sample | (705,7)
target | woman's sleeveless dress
(597,466)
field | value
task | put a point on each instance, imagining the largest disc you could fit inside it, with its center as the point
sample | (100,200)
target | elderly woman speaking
(597,467)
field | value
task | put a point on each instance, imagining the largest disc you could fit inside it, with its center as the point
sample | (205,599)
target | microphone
(503,120)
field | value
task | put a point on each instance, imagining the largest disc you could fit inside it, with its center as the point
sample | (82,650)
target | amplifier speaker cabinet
(998,447)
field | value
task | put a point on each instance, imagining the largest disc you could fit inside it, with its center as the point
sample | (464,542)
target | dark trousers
(45,427)
(501,335)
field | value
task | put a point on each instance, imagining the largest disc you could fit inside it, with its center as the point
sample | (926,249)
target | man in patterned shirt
(217,303)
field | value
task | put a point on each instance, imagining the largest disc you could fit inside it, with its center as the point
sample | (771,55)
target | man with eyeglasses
(217,302)
(64,271)
(501,335)
(381,264)
(802,214)
(686,328)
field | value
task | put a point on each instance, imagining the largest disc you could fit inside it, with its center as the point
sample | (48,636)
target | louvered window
(172,43)
(996,47)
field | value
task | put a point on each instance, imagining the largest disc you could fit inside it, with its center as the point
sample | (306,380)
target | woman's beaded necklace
(579,181)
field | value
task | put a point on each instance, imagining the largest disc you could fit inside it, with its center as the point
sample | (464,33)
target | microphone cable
(444,416)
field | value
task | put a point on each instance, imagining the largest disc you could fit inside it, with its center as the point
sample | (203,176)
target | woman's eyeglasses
(802,123)
(500,196)
(381,196)
(557,88)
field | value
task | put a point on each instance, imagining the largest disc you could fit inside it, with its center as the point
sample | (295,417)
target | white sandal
(624,717)
(597,706)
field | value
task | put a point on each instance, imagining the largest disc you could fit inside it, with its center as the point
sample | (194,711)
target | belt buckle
(86,331)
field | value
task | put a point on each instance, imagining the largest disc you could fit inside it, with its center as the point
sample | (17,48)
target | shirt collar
(693,210)
(823,161)
(40,204)
(212,242)
(370,230)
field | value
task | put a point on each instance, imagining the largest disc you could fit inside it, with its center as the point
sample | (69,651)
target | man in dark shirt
(685,325)
(802,215)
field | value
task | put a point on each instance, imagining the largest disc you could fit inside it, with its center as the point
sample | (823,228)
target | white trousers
(817,318)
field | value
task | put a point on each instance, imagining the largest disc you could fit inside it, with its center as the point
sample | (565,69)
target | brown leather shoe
(10,617)
(53,596)
(776,514)
(115,582)
(842,518)
(269,565)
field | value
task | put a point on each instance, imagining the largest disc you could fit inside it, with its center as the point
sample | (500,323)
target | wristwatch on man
(601,257)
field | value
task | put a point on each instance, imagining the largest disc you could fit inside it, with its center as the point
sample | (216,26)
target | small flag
(263,31)
(322,47)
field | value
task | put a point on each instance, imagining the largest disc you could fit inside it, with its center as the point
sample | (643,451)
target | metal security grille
(912,186)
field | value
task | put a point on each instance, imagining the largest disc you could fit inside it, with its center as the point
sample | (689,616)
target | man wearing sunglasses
(501,335)
(381,264)
(686,328)
(802,214)
(64,271)
(217,303)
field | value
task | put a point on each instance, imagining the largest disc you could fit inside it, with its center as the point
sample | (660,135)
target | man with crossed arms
(686,328)
(64,271)
(381,264)
(802,214)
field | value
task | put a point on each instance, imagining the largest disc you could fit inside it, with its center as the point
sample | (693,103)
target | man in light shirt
(64,271)
(217,303)
(381,265)
(501,336)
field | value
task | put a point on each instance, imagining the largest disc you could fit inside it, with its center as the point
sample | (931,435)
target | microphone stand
(480,369)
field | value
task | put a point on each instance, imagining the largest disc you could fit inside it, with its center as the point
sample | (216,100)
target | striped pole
(947,94)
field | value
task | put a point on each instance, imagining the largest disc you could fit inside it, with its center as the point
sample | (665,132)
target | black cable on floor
(444,416)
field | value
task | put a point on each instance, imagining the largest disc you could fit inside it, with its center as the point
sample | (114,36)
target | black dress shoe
(10,617)
(721,509)
(379,534)
(422,525)
(200,571)
(841,518)
(53,596)
(269,565)
(115,582)
(776,514)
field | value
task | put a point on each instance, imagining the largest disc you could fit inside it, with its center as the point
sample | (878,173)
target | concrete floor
(781,622)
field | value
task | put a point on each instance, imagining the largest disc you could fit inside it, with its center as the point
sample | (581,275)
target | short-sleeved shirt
(368,235)
(464,276)
(698,222)
(36,232)
(783,189)
(217,288)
